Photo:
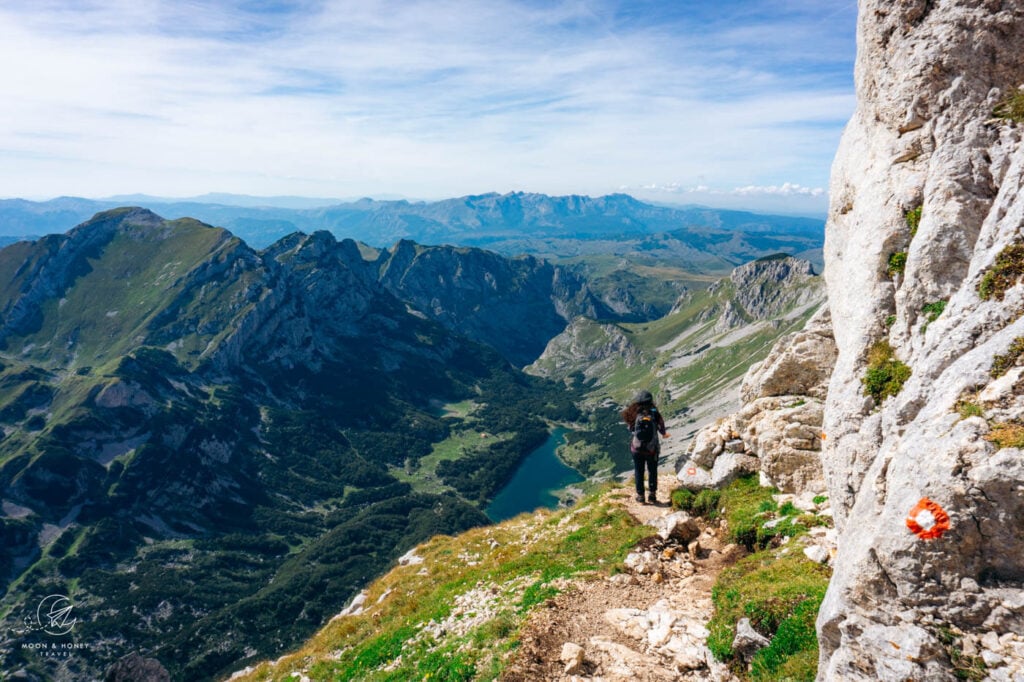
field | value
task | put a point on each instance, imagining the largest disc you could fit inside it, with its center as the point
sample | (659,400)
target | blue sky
(723,103)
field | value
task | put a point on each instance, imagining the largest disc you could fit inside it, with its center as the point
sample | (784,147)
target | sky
(726,103)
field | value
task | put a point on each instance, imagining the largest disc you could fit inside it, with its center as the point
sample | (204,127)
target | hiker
(645,423)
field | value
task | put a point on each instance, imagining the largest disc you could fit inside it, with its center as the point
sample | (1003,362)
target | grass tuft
(897,263)
(1011,106)
(913,218)
(1004,273)
(885,374)
(1007,435)
(966,409)
(1001,364)
(704,503)
(781,596)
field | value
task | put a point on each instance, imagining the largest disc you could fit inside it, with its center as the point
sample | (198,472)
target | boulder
(692,476)
(730,466)
(785,433)
(677,525)
(798,364)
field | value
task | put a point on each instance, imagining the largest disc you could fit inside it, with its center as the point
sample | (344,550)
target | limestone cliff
(922,265)
(777,431)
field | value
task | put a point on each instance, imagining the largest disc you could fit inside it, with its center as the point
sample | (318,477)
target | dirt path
(644,624)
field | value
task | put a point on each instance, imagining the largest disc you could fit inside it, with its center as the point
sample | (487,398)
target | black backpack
(645,432)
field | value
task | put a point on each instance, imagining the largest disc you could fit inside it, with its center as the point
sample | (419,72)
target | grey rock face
(780,421)
(762,286)
(515,305)
(928,78)
(799,364)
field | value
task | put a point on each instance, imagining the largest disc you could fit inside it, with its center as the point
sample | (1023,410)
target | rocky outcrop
(764,286)
(592,348)
(777,431)
(515,305)
(926,206)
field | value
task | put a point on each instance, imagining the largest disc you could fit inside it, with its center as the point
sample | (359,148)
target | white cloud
(421,98)
(785,189)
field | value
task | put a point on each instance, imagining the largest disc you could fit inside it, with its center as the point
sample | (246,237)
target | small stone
(991,658)
(816,553)
(990,641)
(658,577)
(572,656)
(969,646)
(735,445)
(969,585)
(748,641)
(694,549)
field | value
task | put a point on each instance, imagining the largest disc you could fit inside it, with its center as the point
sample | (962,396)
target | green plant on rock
(933,310)
(913,218)
(1001,364)
(965,667)
(890,320)
(1011,106)
(1004,273)
(967,409)
(885,373)
(897,263)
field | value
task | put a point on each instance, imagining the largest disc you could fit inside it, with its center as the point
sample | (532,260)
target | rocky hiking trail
(646,623)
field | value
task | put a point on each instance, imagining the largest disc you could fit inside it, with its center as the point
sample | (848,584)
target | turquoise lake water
(539,474)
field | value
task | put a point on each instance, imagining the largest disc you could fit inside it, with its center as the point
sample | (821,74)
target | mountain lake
(535,479)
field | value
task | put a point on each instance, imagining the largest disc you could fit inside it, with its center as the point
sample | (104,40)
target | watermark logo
(53,616)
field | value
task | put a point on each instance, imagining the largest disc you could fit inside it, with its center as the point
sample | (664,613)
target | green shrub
(885,374)
(933,310)
(788,509)
(1001,364)
(1004,273)
(1011,106)
(703,503)
(913,218)
(897,263)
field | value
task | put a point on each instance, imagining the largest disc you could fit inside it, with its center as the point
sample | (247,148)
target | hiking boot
(640,499)
(652,498)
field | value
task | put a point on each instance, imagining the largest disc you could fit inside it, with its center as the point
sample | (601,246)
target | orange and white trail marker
(691,472)
(927,520)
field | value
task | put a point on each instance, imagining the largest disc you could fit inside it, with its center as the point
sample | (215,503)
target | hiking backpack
(645,432)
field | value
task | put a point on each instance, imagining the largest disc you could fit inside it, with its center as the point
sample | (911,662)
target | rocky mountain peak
(765,285)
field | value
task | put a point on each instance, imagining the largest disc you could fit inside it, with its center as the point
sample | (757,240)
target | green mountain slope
(201,441)
(693,358)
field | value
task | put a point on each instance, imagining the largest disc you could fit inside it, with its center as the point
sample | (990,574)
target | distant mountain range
(508,223)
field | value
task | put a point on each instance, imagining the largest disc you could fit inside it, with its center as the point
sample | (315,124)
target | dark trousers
(649,461)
